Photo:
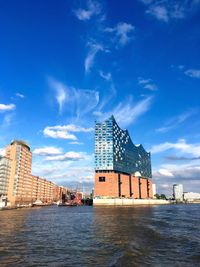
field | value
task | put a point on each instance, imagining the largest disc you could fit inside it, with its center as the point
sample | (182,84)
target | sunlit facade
(16,181)
(122,169)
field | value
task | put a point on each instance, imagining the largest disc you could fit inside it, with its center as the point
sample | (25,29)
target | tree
(157,196)
(162,196)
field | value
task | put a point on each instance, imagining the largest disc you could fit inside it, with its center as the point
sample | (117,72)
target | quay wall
(128,202)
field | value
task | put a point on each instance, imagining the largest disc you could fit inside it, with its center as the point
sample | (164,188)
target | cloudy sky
(65,64)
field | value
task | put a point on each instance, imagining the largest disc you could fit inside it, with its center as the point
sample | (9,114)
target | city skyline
(65,65)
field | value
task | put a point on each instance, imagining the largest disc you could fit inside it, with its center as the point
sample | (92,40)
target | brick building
(18,184)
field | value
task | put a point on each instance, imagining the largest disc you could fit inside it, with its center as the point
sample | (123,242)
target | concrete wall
(128,202)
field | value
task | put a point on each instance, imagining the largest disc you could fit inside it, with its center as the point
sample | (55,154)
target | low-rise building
(191,196)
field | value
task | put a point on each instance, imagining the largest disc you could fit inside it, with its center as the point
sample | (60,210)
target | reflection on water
(96,236)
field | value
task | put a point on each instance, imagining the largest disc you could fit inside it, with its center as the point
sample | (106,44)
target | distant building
(154,189)
(4,175)
(191,196)
(178,192)
(122,169)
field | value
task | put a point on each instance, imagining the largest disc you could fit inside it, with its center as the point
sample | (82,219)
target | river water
(101,236)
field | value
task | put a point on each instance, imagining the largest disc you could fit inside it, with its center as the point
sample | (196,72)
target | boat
(66,204)
(39,203)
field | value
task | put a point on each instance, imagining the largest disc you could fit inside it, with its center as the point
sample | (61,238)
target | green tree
(162,196)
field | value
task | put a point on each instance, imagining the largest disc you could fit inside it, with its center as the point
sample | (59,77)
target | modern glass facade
(115,151)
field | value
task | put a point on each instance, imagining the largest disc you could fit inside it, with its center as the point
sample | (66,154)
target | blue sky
(65,64)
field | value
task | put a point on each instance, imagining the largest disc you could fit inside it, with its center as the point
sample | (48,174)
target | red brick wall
(107,188)
(150,188)
(125,186)
(135,187)
(110,187)
(143,186)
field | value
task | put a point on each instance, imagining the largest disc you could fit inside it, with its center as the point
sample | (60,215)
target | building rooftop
(20,142)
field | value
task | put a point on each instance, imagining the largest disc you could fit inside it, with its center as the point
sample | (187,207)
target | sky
(66,64)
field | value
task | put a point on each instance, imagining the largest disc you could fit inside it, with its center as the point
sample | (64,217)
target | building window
(102,179)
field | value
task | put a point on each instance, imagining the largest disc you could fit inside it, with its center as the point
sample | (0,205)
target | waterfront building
(122,169)
(4,175)
(23,188)
(154,189)
(20,186)
(191,196)
(178,192)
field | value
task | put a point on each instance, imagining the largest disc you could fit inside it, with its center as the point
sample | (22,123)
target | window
(102,179)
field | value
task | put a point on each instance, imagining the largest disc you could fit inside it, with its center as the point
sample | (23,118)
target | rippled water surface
(96,236)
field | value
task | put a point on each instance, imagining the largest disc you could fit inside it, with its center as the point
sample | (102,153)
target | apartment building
(17,182)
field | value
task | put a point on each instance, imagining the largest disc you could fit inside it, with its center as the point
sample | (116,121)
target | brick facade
(113,184)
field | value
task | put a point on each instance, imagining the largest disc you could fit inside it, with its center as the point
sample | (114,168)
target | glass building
(115,151)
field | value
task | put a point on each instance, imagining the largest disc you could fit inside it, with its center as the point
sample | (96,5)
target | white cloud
(94,48)
(176,121)
(147,84)
(151,87)
(75,143)
(77,102)
(72,128)
(193,73)
(128,112)
(7,107)
(93,8)
(106,99)
(7,120)
(20,95)
(167,10)
(69,156)
(159,12)
(61,93)
(180,145)
(48,150)
(144,81)
(64,131)
(165,172)
(58,134)
(122,31)
(105,76)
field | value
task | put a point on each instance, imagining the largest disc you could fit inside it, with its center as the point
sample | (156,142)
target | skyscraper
(122,168)
(20,185)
